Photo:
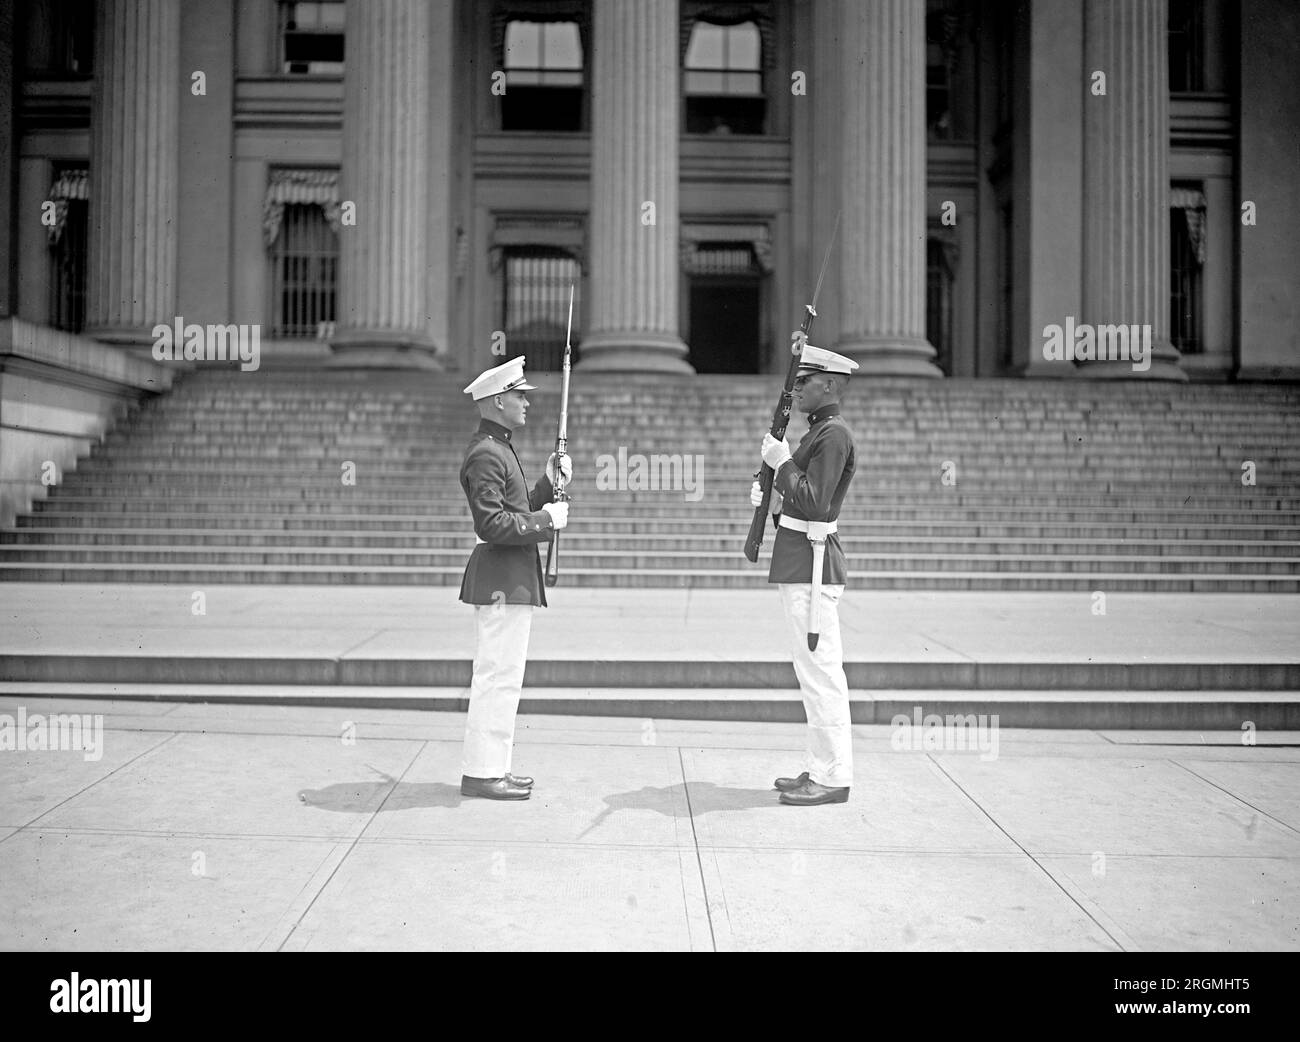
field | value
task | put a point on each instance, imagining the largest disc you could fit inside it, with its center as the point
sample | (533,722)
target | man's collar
(824,413)
(486,426)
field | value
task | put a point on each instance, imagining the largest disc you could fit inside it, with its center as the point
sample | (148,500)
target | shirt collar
(824,413)
(494,429)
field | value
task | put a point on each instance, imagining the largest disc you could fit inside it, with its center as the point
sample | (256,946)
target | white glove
(559,513)
(775,502)
(775,452)
(566,470)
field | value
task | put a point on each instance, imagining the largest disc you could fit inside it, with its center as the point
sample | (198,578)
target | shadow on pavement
(701,797)
(366,797)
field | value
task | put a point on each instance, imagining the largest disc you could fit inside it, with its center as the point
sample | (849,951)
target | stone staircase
(1050,485)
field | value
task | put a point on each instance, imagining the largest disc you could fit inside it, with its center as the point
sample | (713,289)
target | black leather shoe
(790,784)
(492,788)
(810,794)
(520,780)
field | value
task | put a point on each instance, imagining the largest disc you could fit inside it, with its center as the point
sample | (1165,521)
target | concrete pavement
(245,827)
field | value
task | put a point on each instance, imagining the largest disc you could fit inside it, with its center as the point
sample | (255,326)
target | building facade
(418,182)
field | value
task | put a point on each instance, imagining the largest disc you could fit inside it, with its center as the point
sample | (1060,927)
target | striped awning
(69,185)
(1192,204)
(305,187)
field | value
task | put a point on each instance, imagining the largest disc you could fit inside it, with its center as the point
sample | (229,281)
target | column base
(890,356)
(1164,366)
(358,349)
(634,352)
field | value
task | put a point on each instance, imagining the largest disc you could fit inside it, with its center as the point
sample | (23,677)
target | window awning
(704,246)
(310,187)
(1192,204)
(70,184)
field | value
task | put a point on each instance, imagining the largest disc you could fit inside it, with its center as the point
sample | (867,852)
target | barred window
(311,36)
(1186,259)
(305,262)
(723,79)
(68,250)
(535,304)
(543,67)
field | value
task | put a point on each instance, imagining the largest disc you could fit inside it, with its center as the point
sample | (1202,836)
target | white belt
(813,529)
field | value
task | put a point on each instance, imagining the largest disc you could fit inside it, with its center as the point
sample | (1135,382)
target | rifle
(561,450)
(781,417)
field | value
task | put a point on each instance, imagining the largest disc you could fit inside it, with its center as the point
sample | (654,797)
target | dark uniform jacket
(505,567)
(814,482)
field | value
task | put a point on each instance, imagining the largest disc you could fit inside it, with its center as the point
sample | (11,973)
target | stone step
(385,525)
(581,538)
(634,559)
(1119,680)
(713,578)
(1269,711)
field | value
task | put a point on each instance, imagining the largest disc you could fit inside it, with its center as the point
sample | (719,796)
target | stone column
(393,175)
(134,137)
(632,322)
(1126,179)
(882,231)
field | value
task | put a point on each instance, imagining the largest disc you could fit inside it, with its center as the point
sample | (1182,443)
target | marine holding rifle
(808,487)
(503,579)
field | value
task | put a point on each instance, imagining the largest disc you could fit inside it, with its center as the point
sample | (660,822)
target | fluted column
(134,134)
(882,274)
(1126,179)
(634,220)
(393,176)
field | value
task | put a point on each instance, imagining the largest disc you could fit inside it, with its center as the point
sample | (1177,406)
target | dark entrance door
(724,324)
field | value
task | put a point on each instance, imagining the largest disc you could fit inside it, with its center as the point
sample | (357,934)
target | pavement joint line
(103,778)
(699,860)
(1037,864)
(1240,799)
(338,659)
(947,647)
(351,847)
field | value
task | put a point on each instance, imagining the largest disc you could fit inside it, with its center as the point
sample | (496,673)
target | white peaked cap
(819,360)
(509,376)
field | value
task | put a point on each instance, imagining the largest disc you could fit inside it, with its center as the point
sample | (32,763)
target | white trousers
(828,758)
(499,656)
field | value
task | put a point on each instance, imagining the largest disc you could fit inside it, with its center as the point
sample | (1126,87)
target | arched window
(723,79)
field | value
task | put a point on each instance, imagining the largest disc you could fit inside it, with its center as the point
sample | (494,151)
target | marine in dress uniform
(808,567)
(503,579)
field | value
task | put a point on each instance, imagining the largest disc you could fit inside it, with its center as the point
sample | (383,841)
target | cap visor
(525,386)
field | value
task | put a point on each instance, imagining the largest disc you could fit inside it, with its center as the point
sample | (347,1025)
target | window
(1186,35)
(938,300)
(535,304)
(1006,283)
(543,67)
(723,79)
(938,81)
(68,251)
(1186,259)
(304,272)
(312,36)
(59,38)
(726,300)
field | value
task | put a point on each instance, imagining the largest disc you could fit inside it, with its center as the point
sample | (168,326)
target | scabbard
(815,604)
